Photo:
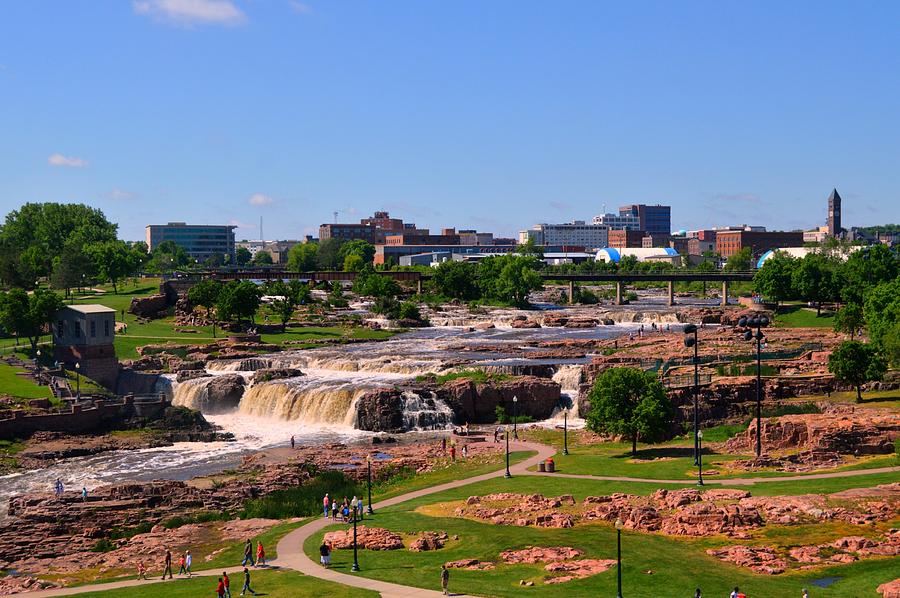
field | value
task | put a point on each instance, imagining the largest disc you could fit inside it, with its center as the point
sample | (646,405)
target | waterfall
(425,413)
(310,402)
(569,377)
(250,364)
(191,393)
(383,364)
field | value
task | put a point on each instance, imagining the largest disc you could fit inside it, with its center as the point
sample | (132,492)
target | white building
(576,233)
(618,221)
(643,254)
(801,252)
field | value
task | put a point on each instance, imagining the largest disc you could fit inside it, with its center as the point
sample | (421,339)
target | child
(260,555)
(142,570)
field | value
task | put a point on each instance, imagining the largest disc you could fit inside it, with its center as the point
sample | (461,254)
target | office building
(729,242)
(576,233)
(618,221)
(656,240)
(622,239)
(199,241)
(372,229)
(653,219)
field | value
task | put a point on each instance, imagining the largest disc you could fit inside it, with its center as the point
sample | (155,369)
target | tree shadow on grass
(669,452)
(893,399)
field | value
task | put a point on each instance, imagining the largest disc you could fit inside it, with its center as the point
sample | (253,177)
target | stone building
(84,335)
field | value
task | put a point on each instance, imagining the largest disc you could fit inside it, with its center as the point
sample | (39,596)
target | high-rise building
(618,221)
(834,214)
(199,241)
(577,233)
(653,219)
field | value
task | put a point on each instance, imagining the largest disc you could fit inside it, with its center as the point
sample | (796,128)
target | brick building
(729,242)
(623,239)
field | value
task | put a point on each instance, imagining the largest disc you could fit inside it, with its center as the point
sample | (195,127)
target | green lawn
(678,565)
(15,385)
(798,316)
(275,584)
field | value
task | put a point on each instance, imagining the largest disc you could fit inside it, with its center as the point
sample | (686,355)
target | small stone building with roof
(85,334)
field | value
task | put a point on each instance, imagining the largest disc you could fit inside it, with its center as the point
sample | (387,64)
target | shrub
(302,501)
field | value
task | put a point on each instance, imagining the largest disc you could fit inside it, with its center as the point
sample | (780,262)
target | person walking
(142,570)
(334,510)
(697,594)
(84,493)
(325,554)
(247,587)
(292,442)
(181,569)
(167,568)
(58,487)
(805,593)
(188,559)
(326,504)
(227,583)
(260,554)
(465,451)
(248,554)
(220,589)
(445,579)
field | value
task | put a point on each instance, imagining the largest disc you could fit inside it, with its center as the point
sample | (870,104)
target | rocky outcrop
(185,375)
(223,394)
(537,554)
(371,538)
(476,402)
(380,410)
(270,374)
(890,589)
(577,569)
(427,541)
(470,565)
(154,306)
(757,559)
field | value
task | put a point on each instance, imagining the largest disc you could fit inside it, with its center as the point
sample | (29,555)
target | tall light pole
(694,341)
(619,526)
(700,458)
(355,566)
(37,362)
(78,380)
(759,323)
(369,480)
(515,417)
(566,431)
(506,433)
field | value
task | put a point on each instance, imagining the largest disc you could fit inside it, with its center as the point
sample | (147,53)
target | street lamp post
(78,380)
(369,480)
(700,458)
(515,417)
(566,431)
(759,323)
(619,526)
(506,433)
(693,341)
(355,566)
(37,361)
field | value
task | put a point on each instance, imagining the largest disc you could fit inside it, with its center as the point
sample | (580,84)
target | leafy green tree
(739,262)
(890,346)
(631,403)
(813,280)
(856,363)
(166,257)
(850,319)
(303,257)
(262,258)
(353,263)
(301,291)
(242,256)
(455,280)
(70,269)
(206,294)
(369,283)
(529,248)
(363,249)
(238,300)
(773,280)
(882,310)
(329,254)
(509,278)
(29,315)
(866,268)
(628,263)
(285,302)
(216,260)
(113,260)
(409,311)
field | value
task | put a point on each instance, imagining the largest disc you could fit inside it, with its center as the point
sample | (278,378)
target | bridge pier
(724,293)
(571,292)
(671,293)
(618,292)
(419,286)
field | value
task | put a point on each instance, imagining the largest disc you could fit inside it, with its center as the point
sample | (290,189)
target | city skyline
(491,117)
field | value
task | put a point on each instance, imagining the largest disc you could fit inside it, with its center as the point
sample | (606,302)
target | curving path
(290,547)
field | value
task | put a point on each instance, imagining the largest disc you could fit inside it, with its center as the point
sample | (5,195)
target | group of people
(185,560)
(223,587)
(248,554)
(736,593)
(343,509)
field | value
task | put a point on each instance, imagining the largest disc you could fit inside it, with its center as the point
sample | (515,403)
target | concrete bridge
(620,279)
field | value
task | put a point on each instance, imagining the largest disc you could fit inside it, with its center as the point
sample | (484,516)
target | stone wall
(476,403)
(78,420)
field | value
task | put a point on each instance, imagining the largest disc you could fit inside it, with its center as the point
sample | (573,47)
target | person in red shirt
(227,583)
(220,589)
(260,555)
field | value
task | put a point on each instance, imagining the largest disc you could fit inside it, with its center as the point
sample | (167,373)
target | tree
(455,280)
(866,268)
(303,257)
(285,301)
(112,259)
(166,257)
(353,263)
(238,300)
(206,294)
(242,256)
(509,278)
(856,363)
(773,280)
(70,269)
(739,262)
(363,249)
(631,403)
(369,283)
(329,254)
(813,280)
(882,310)
(29,315)
(262,258)
(849,319)
(890,346)
(530,248)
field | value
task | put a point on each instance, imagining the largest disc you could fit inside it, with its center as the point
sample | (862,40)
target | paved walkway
(292,557)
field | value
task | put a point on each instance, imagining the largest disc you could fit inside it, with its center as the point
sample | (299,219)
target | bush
(409,311)
(302,501)
(198,517)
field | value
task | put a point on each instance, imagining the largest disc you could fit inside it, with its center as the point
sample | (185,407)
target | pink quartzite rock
(757,559)
(372,538)
(428,541)
(470,564)
(537,554)
(577,569)
(890,589)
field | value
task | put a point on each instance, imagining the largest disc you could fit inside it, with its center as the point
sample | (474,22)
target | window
(77,329)
(60,328)
(105,327)
(93,328)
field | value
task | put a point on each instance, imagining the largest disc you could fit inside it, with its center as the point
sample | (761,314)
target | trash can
(542,467)
(551,466)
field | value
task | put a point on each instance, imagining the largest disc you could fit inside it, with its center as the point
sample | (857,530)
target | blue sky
(487,114)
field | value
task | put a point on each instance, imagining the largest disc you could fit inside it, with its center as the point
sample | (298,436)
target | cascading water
(425,413)
(250,364)
(569,376)
(192,394)
(305,401)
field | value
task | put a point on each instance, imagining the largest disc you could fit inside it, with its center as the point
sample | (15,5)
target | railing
(686,380)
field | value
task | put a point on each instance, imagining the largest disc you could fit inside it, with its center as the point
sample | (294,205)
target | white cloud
(117,194)
(259,199)
(301,8)
(60,160)
(191,12)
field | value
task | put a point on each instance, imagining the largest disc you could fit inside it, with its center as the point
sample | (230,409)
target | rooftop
(92,308)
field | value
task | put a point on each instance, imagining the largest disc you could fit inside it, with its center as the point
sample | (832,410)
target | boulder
(380,410)
(269,374)
(184,375)
(537,554)
(223,394)
(477,402)
(153,306)
(890,589)
(428,541)
(372,538)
